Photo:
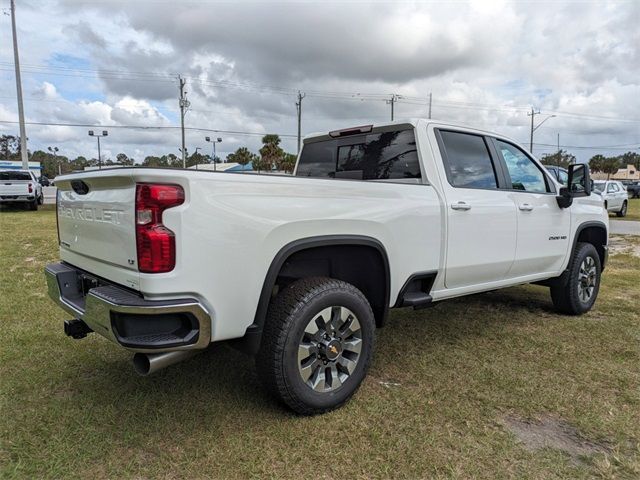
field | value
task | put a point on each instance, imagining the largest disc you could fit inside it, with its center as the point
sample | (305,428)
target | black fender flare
(250,343)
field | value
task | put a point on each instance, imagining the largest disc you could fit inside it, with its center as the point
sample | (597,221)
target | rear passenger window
(376,156)
(468,161)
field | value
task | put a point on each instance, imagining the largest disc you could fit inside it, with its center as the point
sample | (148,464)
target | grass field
(469,388)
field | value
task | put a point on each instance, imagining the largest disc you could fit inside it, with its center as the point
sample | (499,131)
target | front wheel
(317,344)
(579,293)
(623,210)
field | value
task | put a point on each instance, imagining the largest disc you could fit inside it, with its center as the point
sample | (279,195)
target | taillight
(156,244)
(30,188)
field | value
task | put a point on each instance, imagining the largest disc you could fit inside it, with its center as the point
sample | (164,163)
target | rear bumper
(124,317)
(16,198)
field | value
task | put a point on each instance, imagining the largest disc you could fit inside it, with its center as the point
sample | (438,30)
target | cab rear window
(375,156)
(8,175)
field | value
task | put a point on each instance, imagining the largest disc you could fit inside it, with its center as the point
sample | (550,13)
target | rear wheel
(583,282)
(317,344)
(33,205)
(623,210)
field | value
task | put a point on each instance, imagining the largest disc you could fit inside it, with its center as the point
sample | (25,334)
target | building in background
(223,167)
(17,165)
(629,173)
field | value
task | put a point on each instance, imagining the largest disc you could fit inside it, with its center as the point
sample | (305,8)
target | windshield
(599,186)
(9,175)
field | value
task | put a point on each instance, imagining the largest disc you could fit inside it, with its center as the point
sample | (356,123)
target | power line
(356,96)
(149,127)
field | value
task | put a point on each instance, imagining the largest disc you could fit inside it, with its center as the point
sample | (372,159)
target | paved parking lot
(49,195)
(624,227)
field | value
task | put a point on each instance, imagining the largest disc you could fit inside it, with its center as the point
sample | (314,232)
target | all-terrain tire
(623,210)
(583,272)
(290,313)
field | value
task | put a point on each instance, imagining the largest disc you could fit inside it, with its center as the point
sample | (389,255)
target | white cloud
(485,63)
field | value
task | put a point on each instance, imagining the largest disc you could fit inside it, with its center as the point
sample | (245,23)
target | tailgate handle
(80,187)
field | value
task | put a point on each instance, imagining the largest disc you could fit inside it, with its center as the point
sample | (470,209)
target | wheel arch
(325,255)
(594,233)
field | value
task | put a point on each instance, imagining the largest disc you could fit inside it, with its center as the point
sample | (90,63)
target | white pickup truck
(20,186)
(300,270)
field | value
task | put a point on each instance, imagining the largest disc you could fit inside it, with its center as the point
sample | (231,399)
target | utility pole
(559,154)
(16,62)
(184,105)
(299,110)
(532,114)
(394,98)
(430,101)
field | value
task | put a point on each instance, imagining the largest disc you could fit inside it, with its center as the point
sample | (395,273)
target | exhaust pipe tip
(141,364)
(147,363)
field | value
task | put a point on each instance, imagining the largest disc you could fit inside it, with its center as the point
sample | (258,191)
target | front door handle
(461,206)
(525,207)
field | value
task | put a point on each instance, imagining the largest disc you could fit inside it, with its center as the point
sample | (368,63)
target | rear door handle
(461,206)
(525,207)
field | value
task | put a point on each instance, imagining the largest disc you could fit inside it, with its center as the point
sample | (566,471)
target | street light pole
(214,141)
(104,134)
(532,114)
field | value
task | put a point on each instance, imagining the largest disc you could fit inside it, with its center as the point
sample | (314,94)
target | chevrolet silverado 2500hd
(20,186)
(300,270)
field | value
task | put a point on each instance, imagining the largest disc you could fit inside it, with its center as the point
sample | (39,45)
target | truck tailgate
(96,218)
(15,187)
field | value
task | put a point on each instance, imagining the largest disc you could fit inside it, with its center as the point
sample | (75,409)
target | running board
(416,300)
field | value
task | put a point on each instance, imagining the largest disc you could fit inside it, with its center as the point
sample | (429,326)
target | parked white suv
(614,194)
(300,270)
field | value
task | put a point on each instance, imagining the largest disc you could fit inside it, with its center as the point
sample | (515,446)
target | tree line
(270,157)
(597,163)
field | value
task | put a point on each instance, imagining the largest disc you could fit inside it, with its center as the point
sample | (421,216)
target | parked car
(20,186)
(633,189)
(614,195)
(559,173)
(300,270)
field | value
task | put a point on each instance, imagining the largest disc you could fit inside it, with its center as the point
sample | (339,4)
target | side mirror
(579,184)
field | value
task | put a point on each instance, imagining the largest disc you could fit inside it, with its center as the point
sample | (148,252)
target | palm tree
(270,152)
(242,156)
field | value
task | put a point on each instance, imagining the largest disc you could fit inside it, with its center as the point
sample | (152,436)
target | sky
(115,65)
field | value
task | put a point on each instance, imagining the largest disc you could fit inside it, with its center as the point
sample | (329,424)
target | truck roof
(413,121)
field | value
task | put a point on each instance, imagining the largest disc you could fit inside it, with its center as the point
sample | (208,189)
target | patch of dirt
(619,244)
(548,431)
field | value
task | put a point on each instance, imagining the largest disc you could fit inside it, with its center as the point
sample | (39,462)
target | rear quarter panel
(232,226)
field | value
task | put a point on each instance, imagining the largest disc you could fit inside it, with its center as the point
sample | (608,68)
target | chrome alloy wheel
(329,349)
(587,278)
